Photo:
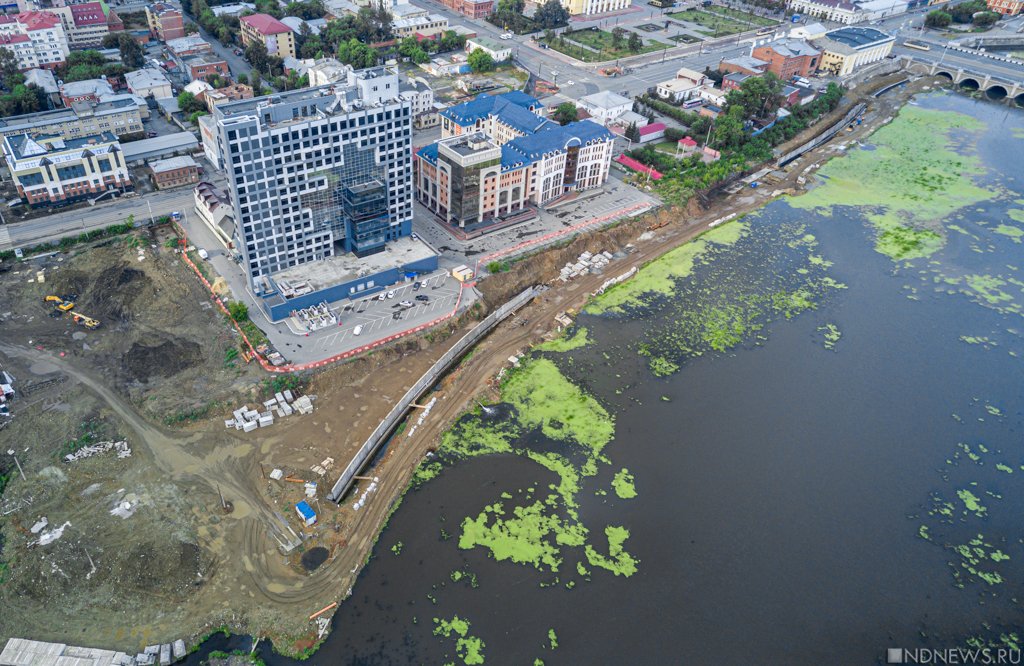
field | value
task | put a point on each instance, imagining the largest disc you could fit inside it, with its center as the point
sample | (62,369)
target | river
(795,441)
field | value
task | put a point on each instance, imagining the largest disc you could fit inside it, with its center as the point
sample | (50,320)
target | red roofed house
(276,36)
(652,132)
(687,146)
(36,38)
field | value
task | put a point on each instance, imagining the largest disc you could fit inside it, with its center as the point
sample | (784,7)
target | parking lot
(376,319)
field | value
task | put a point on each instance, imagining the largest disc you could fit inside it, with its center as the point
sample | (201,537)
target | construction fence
(431,377)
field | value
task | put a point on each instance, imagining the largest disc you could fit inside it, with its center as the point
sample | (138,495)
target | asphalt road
(68,222)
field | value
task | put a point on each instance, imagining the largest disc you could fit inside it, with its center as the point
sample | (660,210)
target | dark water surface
(781,485)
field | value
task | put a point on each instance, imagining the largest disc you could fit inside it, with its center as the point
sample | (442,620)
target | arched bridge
(995,87)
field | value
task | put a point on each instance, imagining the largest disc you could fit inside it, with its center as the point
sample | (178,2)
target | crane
(84,320)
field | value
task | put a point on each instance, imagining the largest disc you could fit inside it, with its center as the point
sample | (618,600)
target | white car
(406,304)
(391,294)
(203,254)
(382,296)
(357,330)
(507,35)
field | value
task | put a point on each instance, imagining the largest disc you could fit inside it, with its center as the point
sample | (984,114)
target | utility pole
(10,452)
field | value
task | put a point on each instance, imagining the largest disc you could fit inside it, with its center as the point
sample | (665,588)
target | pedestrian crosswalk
(5,238)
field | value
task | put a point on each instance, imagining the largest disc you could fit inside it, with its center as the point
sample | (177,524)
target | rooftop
(38,653)
(687,74)
(489,43)
(89,13)
(265,24)
(14,39)
(38,20)
(170,164)
(86,87)
(23,146)
(606,100)
(43,78)
(857,38)
(678,85)
(793,48)
(837,4)
(746,62)
(167,143)
(188,43)
(485,105)
(347,267)
(145,78)
(652,129)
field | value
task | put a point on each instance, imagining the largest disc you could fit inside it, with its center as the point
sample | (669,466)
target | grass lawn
(741,15)
(685,39)
(601,40)
(714,24)
(666,147)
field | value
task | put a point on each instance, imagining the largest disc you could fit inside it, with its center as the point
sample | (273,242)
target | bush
(238,311)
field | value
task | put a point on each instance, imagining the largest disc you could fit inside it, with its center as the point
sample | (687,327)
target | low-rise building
(49,170)
(36,38)
(836,11)
(788,58)
(743,65)
(712,95)
(89,90)
(605,106)
(214,208)
(428,25)
(267,30)
(327,70)
(677,90)
(498,51)
(810,31)
(120,116)
(149,82)
(202,65)
(208,135)
(234,92)
(847,49)
(593,7)
(448,65)
(420,93)
(174,172)
(1006,7)
(45,81)
(165,21)
(187,46)
(233,9)
(477,9)
(734,81)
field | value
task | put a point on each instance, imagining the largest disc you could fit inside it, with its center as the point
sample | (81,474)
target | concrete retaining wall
(381,432)
(822,138)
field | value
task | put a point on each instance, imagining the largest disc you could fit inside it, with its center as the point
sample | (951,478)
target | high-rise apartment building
(318,171)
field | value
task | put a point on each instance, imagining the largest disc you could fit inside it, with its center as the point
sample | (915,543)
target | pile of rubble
(123,451)
(359,503)
(586,263)
(283,404)
(24,651)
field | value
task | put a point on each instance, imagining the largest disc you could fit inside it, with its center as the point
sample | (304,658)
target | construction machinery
(60,303)
(84,320)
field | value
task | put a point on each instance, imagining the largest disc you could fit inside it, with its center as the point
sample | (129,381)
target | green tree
(635,43)
(239,311)
(551,15)
(480,61)
(191,28)
(938,19)
(511,6)
(565,113)
(10,74)
(618,34)
(256,54)
(131,52)
(759,96)
(256,81)
(451,41)
(986,19)
(633,133)
(188,103)
(355,53)
(965,11)
(729,133)
(373,23)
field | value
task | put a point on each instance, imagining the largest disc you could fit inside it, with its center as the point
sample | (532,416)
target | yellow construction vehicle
(61,304)
(88,322)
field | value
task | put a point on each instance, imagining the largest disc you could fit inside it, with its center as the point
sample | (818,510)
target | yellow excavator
(61,304)
(88,322)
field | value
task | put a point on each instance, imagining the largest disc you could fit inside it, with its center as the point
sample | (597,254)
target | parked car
(406,304)
(391,294)
(422,297)
(203,254)
(357,330)
(151,134)
(382,296)
(416,285)
(507,35)
(414,236)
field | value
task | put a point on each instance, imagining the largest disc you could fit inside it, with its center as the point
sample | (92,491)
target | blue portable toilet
(306,513)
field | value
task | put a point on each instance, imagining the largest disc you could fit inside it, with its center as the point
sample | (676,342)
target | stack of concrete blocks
(123,451)
(282,404)
(587,262)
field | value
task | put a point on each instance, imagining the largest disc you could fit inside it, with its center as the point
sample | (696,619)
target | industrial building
(847,49)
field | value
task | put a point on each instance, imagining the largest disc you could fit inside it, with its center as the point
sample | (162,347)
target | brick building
(471,8)
(788,58)
(165,21)
(174,172)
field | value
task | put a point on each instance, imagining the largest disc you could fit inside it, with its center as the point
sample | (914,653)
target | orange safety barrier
(266,365)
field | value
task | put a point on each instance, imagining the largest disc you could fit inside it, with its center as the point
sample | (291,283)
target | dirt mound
(164,359)
(168,569)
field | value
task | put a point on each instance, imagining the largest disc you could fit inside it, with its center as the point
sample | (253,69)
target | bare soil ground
(180,565)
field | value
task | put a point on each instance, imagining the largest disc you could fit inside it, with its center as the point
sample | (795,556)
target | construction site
(159,487)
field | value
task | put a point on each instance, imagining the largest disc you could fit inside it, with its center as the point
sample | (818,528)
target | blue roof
(468,113)
(519,118)
(305,509)
(551,138)
(429,153)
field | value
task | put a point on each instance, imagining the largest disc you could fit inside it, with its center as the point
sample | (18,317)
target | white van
(357,330)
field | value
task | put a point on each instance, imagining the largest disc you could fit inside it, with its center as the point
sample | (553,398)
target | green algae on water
(623,484)
(552,639)
(1014,233)
(831,334)
(912,179)
(563,344)
(618,561)
(469,648)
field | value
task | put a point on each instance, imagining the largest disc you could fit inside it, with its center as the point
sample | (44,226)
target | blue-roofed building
(474,176)
(502,117)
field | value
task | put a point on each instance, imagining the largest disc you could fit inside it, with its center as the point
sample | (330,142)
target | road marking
(5,237)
